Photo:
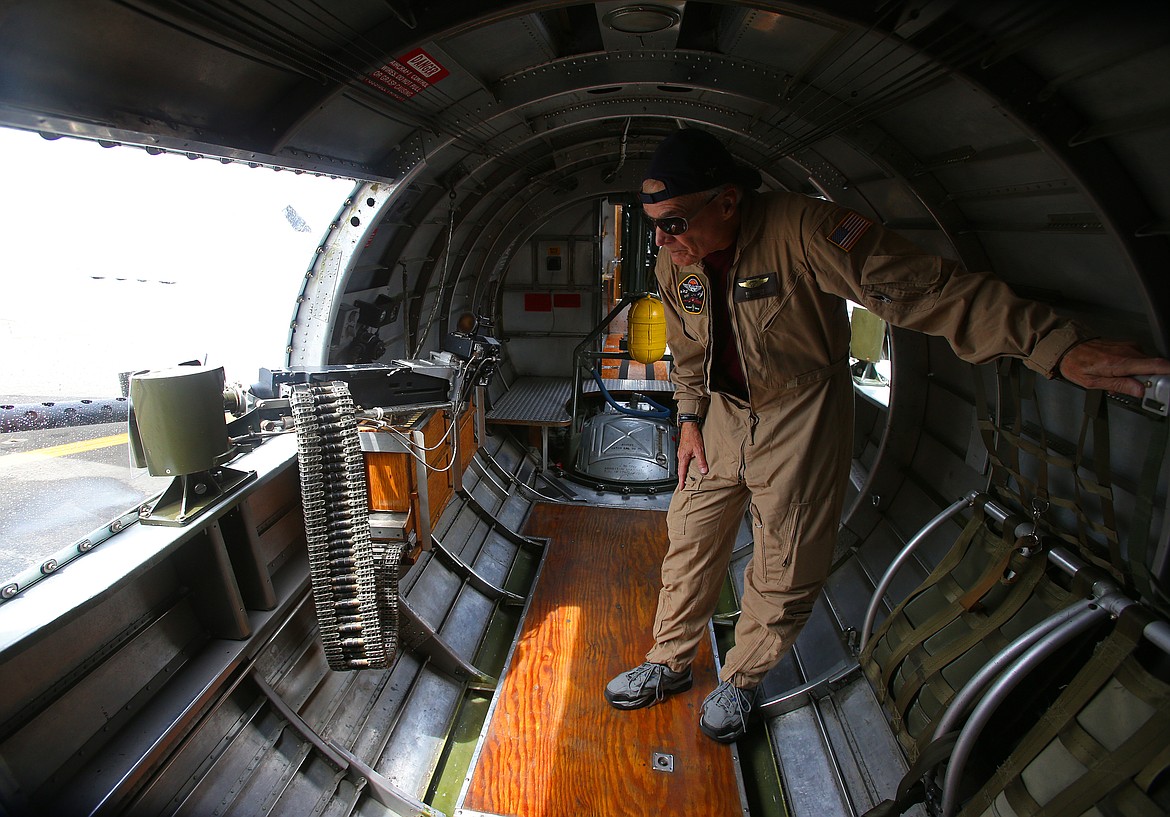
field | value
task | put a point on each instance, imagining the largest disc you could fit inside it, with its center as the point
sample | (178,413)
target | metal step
(836,753)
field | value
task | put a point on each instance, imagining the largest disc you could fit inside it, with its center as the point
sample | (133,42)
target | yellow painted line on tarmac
(64,450)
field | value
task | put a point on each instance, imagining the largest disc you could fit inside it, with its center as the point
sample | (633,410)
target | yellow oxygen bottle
(647,329)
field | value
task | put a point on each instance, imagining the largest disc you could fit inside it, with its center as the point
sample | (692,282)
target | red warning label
(407,76)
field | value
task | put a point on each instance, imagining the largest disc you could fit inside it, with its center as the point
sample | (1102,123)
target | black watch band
(688,418)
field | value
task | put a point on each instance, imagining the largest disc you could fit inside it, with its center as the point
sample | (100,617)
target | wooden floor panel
(554,746)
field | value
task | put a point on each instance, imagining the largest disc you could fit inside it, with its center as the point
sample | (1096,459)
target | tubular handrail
(903,556)
(969,695)
(581,352)
(588,340)
(1008,681)
(995,680)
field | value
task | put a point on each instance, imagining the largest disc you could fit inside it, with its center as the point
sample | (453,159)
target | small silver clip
(1039,508)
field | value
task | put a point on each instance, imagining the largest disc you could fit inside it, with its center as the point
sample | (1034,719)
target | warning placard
(407,76)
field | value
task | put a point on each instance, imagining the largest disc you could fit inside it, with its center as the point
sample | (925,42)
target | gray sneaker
(646,684)
(726,711)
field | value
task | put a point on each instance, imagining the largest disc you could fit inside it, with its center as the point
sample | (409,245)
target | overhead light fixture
(642,19)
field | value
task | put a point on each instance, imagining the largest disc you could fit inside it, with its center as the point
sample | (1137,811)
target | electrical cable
(661,412)
(382,425)
(422,336)
(457,408)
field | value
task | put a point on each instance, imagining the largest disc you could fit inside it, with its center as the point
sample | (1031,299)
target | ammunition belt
(354,581)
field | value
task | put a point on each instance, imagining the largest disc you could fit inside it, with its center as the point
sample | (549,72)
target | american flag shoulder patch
(849,230)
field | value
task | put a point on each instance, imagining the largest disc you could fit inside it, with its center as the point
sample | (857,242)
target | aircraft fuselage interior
(392,574)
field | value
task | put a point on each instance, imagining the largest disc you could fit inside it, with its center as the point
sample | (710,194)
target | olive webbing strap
(1143,513)
(912,643)
(948,563)
(1109,767)
(1005,439)
(1026,389)
(1113,650)
(997,432)
(1098,483)
(930,670)
(1154,769)
(952,558)
(973,598)
(911,789)
(902,628)
(1130,801)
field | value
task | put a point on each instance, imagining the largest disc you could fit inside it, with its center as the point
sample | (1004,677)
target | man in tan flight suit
(754,287)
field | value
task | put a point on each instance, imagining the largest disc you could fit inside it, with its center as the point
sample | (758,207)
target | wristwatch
(688,418)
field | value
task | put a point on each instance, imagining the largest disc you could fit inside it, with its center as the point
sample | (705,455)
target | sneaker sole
(723,737)
(640,703)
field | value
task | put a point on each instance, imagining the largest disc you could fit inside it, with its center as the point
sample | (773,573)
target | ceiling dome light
(642,19)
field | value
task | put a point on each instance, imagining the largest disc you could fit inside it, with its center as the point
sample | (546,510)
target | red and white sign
(407,76)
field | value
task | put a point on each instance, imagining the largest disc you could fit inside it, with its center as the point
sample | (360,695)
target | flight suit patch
(692,294)
(849,231)
(757,286)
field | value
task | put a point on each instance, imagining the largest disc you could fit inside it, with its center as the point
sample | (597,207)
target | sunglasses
(677,225)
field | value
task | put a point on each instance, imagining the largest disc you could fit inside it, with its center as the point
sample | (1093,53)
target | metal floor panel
(381,713)
(495,559)
(513,512)
(366,692)
(782,677)
(420,735)
(875,752)
(881,548)
(227,779)
(627,384)
(449,517)
(819,646)
(487,494)
(837,755)
(805,766)
(463,528)
(303,682)
(839,734)
(272,775)
(180,783)
(534,400)
(310,791)
(849,590)
(346,801)
(465,533)
(465,625)
(472,551)
(841,737)
(432,595)
(504,449)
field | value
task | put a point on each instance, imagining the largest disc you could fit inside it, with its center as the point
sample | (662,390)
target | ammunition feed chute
(355,585)
(354,574)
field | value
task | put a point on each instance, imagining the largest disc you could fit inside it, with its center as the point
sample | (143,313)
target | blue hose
(661,412)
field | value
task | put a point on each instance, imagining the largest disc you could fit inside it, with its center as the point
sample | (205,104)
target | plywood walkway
(554,746)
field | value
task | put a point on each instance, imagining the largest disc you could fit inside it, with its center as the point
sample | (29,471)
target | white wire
(382,424)
(411,445)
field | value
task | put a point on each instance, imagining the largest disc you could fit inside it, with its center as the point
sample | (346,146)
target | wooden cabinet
(399,483)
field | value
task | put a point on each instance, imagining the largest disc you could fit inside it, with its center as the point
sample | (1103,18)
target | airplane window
(114,261)
(869,353)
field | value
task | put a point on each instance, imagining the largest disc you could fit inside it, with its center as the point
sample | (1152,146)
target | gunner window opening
(117,261)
